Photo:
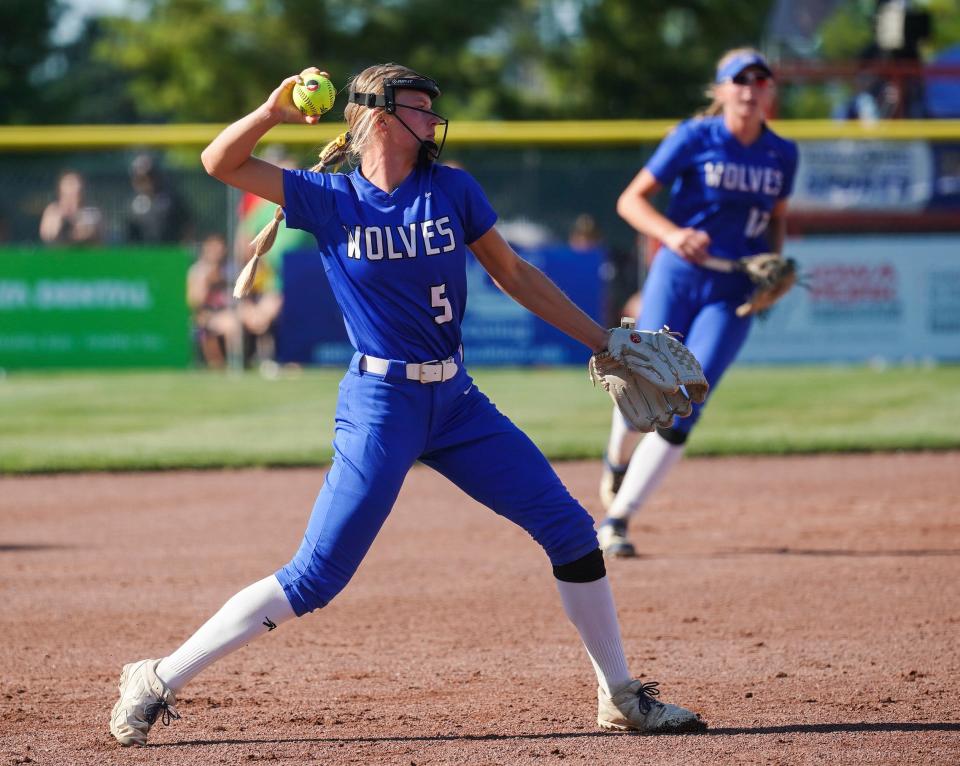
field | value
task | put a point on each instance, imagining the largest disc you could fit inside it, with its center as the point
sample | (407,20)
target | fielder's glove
(772,276)
(651,376)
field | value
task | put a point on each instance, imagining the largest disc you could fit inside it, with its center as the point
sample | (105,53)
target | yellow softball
(315,96)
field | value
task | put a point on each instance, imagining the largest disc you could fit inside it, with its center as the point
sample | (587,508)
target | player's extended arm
(534,290)
(228,157)
(635,207)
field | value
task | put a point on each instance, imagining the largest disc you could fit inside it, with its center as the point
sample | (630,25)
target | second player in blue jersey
(729,177)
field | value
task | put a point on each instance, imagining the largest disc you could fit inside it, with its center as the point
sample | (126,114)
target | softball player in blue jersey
(730,176)
(393,235)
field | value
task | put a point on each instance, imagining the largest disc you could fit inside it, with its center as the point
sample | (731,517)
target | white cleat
(612,536)
(633,708)
(143,697)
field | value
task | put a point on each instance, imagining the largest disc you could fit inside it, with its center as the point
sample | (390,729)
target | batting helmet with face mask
(429,150)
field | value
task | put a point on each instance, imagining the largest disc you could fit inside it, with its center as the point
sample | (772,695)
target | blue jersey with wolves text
(723,187)
(396,261)
(397,265)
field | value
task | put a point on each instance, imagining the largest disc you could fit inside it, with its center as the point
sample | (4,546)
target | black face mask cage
(429,150)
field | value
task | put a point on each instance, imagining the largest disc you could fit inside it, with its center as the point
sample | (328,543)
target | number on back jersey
(756,223)
(439,301)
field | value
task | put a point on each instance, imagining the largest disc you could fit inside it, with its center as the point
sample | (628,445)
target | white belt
(428,372)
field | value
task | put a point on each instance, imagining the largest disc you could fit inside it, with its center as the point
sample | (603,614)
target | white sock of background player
(247,615)
(651,462)
(590,607)
(622,441)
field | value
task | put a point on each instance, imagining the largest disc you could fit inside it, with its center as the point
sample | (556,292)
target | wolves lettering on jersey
(396,242)
(395,261)
(746,178)
(723,187)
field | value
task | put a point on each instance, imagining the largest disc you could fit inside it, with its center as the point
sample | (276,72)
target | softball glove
(651,376)
(772,276)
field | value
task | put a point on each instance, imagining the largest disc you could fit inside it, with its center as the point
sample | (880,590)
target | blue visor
(738,63)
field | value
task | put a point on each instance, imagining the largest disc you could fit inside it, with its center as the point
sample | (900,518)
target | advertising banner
(864,175)
(496,330)
(864,298)
(94,307)
(946,192)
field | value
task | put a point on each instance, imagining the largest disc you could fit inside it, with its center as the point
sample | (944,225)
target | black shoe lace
(152,710)
(646,694)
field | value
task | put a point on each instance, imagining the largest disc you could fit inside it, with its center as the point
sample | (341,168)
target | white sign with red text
(863,298)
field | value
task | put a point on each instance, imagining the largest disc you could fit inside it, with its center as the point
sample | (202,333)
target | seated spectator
(208,296)
(585,233)
(66,220)
(618,273)
(157,213)
(260,310)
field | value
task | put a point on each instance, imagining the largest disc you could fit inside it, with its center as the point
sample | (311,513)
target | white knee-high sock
(622,441)
(651,461)
(255,610)
(590,607)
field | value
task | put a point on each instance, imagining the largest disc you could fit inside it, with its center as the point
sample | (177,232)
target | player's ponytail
(713,108)
(332,156)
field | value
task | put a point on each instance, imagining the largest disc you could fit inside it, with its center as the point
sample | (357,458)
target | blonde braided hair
(331,157)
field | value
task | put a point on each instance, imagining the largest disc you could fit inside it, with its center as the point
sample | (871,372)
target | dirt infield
(808,607)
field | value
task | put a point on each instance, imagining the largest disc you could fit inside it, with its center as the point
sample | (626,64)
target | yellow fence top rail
(465,133)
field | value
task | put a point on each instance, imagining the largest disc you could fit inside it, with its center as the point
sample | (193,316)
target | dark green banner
(94,307)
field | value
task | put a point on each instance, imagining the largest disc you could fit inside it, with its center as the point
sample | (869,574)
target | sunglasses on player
(751,78)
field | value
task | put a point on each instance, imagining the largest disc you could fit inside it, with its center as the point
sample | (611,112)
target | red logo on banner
(850,284)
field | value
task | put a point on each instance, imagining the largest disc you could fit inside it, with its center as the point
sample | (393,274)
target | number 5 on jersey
(439,301)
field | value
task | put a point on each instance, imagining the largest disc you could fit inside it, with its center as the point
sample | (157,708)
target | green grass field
(162,420)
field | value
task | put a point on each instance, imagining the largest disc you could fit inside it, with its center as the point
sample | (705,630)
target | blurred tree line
(213,60)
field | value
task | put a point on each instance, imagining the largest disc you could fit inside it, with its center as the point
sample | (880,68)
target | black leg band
(673,435)
(586,569)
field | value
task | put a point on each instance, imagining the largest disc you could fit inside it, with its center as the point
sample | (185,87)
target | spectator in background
(156,214)
(875,99)
(66,220)
(260,310)
(618,272)
(585,233)
(208,296)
